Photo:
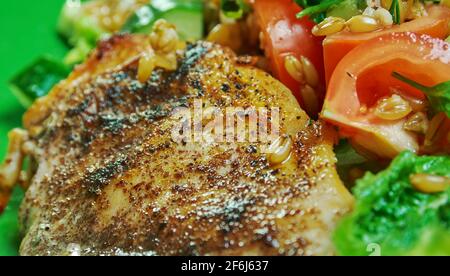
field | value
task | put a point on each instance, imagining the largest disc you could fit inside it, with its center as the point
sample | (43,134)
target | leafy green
(395,11)
(316,10)
(347,9)
(9,226)
(391,214)
(186,15)
(38,79)
(81,30)
(75,24)
(347,155)
(439,95)
(349,159)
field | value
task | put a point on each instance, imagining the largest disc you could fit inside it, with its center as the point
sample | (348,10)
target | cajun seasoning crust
(112,181)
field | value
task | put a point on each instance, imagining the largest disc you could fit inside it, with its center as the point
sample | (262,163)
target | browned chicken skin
(111,180)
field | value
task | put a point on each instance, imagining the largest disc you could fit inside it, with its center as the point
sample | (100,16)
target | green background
(28,30)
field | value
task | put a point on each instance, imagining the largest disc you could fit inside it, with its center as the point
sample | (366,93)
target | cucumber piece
(189,23)
(38,79)
(186,15)
(79,53)
(142,20)
(80,29)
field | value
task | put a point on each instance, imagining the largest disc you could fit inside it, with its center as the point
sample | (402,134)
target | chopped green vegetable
(439,95)
(9,226)
(448,39)
(79,53)
(142,20)
(347,155)
(186,15)
(396,218)
(316,10)
(347,9)
(234,9)
(81,30)
(74,24)
(349,159)
(395,11)
(38,79)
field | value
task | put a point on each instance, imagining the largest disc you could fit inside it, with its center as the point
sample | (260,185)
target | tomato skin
(364,76)
(338,45)
(283,35)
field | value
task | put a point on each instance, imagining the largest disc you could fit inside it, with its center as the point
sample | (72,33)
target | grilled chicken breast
(110,179)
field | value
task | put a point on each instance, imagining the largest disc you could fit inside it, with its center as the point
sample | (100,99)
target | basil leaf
(395,11)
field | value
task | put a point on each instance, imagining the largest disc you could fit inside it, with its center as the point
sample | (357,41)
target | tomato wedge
(338,45)
(284,35)
(363,77)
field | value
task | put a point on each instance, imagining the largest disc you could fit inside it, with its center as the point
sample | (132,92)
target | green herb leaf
(395,11)
(322,7)
(348,159)
(439,95)
(347,155)
(316,10)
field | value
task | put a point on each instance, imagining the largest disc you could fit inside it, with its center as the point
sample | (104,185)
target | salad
(375,74)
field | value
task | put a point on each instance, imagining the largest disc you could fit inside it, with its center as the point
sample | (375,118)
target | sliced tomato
(284,35)
(364,76)
(338,45)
